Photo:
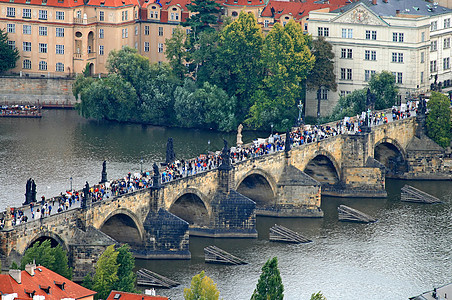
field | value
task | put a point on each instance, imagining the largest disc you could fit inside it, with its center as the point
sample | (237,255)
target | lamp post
(70,179)
(208,147)
(300,113)
(271,125)
(141,165)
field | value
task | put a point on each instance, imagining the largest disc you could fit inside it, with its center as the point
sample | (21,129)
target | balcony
(77,56)
(91,55)
(85,20)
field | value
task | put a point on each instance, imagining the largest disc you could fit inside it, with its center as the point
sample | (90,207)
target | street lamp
(70,179)
(141,165)
(271,125)
(208,147)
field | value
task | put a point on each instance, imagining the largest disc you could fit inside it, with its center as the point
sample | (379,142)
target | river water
(408,251)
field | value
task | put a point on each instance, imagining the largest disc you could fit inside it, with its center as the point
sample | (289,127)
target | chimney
(374,2)
(16,275)
(30,268)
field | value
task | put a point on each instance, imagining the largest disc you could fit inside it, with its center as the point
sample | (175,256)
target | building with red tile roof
(40,283)
(115,295)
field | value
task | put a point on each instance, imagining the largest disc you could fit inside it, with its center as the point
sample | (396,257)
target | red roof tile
(113,3)
(53,3)
(298,10)
(164,4)
(40,281)
(244,2)
(131,296)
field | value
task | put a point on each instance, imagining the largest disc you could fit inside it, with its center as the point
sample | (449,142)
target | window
(266,23)
(12,44)
(305,26)
(146,46)
(101,16)
(346,53)
(124,15)
(125,33)
(26,64)
(422,36)
(160,48)
(433,25)
(146,30)
(346,74)
(136,45)
(59,32)
(399,77)
(433,45)
(433,66)
(422,77)
(11,28)
(78,14)
(397,37)
(59,49)
(10,11)
(26,13)
(42,48)
(347,33)
(42,14)
(371,34)
(342,93)
(447,23)
(446,63)
(26,46)
(43,30)
(323,31)
(59,67)
(42,65)
(153,14)
(136,30)
(323,93)
(59,15)
(397,57)
(422,57)
(160,31)
(26,29)
(446,43)
(370,55)
(101,33)
(368,74)
(174,16)
(101,50)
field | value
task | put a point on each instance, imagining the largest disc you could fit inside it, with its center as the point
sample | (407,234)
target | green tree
(106,274)
(14,266)
(126,276)
(270,284)
(202,288)
(176,52)
(43,254)
(439,119)
(88,282)
(8,55)
(350,105)
(322,74)
(241,69)
(383,86)
(205,13)
(318,296)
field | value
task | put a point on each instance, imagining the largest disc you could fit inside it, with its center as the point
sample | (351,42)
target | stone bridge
(223,202)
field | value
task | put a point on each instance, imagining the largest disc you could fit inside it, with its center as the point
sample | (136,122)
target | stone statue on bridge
(225,157)
(287,142)
(239,135)
(170,154)
(85,195)
(104,172)
(30,192)
(156,177)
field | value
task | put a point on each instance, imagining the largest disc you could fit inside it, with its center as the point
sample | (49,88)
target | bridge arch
(323,167)
(259,186)
(54,238)
(391,154)
(124,226)
(192,206)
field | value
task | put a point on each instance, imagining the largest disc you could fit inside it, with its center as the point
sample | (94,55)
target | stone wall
(23,90)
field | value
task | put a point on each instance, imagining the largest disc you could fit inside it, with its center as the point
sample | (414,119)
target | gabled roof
(115,295)
(165,4)
(39,282)
(405,7)
(244,2)
(112,3)
(298,10)
(51,3)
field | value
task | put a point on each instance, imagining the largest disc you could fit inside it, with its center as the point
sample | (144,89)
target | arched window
(42,65)
(234,14)
(27,64)
(60,67)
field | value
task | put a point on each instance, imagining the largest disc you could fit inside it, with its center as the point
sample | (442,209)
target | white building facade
(384,35)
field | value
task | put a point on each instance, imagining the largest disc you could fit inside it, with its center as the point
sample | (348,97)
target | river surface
(408,251)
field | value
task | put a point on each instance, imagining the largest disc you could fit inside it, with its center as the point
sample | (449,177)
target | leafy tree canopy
(322,74)
(438,120)
(270,284)
(43,254)
(318,296)
(8,55)
(202,288)
(205,14)
(106,275)
(384,87)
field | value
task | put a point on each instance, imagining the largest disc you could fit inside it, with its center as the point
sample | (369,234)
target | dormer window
(30,293)
(60,284)
(45,288)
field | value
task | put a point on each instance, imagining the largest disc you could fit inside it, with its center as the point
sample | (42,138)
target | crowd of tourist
(304,134)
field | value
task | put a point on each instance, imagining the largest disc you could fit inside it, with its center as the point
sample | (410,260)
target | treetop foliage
(201,288)
(8,55)
(270,284)
(438,122)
